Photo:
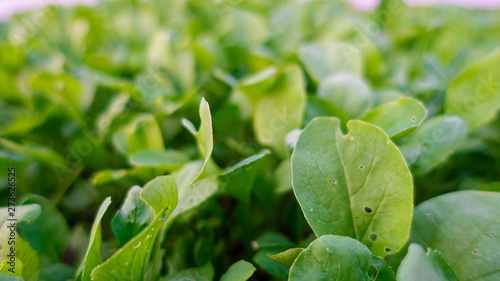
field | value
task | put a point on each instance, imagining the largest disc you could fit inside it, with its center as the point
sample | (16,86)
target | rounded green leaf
(465,227)
(336,258)
(432,143)
(280,110)
(239,271)
(355,185)
(419,265)
(346,91)
(474,94)
(397,118)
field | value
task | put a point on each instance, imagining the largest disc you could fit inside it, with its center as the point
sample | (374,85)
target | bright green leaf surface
(93,256)
(433,142)
(465,227)
(204,136)
(338,258)
(355,185)
(474,94)
(410,113)
(239,271)
(131,261)
(26,258)
(419,265)
(287,257)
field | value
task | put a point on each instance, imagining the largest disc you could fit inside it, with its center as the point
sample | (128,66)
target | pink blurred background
(9,7)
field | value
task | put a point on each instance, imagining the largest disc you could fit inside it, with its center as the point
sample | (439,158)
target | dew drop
(137,246)
(311,209)
(327,249)
(413,119)
(368,210)
(153,229)
(387,249)
(373,237)
(147,237)
(334,181)
(361,167)
(163,216)
(351,138)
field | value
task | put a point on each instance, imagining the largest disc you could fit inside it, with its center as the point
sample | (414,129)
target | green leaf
(327,58)
(492,186)
(317,107)
(142,133)
(280,110)
(62,89)
(419,265)
(131,261)
(239,179)
(204,136)
(204,273)
(397,118)
(191,195)
(27,213)
(239,271)
(167,159)
(338,258)
(27,260)
(355,185)
(132,217)
(465,227)
(346,91)
(92,257)
(287,257)
(8,277)
(433,142)
(39,234)
(256,85)
(474,94)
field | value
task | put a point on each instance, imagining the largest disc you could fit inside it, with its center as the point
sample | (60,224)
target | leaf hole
(361,167)
(493,234)
(475,252)
(334,181)
(387,249)
(413,119)
(373,237)
(368,210)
